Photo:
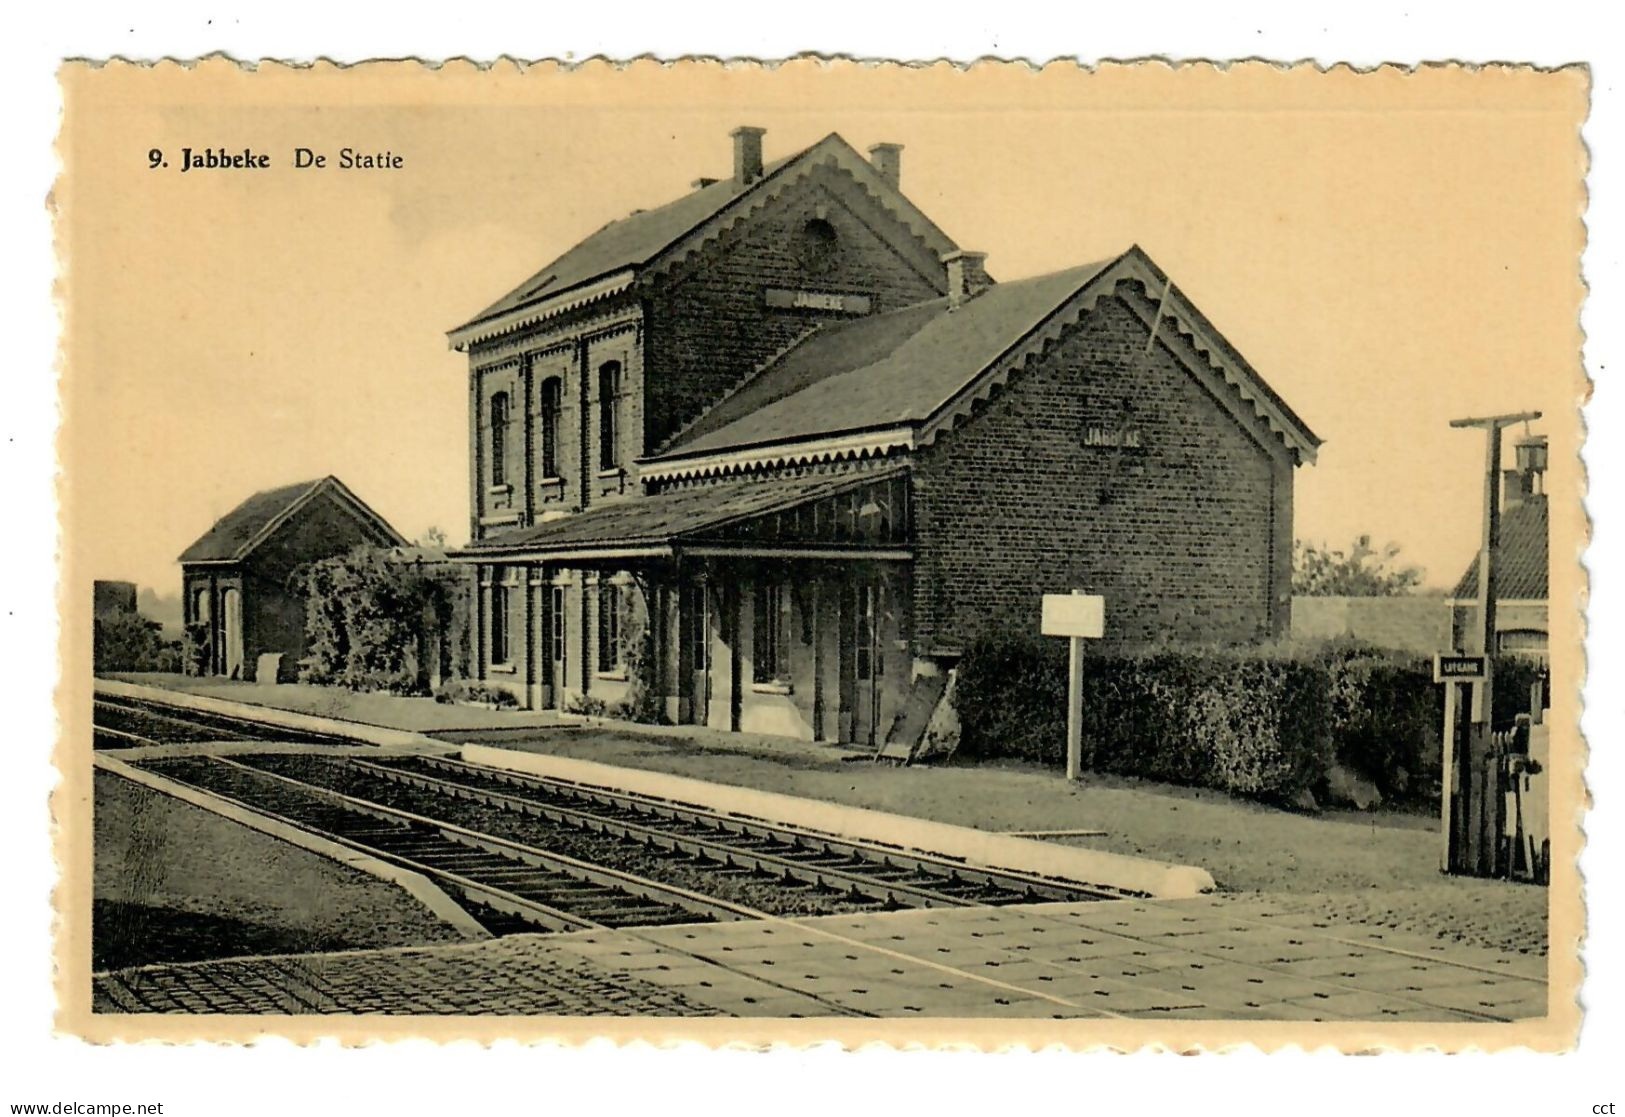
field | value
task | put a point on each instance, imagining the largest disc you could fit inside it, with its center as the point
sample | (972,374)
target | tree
(433,539)
(130,642)
(1360,571)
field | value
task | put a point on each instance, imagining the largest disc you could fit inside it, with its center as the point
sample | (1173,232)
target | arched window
(499,438)
(818,246)
(552,395)
(609,415)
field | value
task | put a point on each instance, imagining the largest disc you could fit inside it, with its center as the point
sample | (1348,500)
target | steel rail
(1022,885)
(154,715)
(613,879)
(208,721)
(523,907)
(125,733)
(843,880)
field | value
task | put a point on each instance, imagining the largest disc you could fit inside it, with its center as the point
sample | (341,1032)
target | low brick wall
(1412,624)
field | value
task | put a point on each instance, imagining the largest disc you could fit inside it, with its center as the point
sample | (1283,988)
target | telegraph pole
(1484,692)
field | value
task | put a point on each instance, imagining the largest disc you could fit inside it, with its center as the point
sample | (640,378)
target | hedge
(368,616)
(1266,723)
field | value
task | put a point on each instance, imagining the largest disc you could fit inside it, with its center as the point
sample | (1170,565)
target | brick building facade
(765,456)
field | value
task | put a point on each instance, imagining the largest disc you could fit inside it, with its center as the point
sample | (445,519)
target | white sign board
(1074,614)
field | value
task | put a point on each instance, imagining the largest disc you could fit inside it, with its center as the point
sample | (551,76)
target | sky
(1389,252)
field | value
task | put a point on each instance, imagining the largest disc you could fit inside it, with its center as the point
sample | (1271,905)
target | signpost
(1450,668)
(1476,748)
(1453,671)
(1078,616)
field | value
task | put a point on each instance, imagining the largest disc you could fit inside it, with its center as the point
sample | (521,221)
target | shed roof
(235,535)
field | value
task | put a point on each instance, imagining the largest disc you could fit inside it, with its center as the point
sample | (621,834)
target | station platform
(1203,958)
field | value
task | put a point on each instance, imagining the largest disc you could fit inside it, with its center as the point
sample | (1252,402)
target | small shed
(237,590)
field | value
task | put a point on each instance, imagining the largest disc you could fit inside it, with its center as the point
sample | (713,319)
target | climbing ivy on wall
(372,620)
(643,702)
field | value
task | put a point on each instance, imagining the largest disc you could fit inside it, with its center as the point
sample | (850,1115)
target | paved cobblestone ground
(1210,958)
(518,975)
(1480,913)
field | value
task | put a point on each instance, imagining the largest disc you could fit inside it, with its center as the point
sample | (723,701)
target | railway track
(527,853)
(526,887)
(863,874)
(131,722)
(898,876)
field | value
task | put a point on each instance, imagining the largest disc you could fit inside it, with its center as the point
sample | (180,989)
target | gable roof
(917,366)
(671,517)
(608,260)
(235,535)
(881,370)
(1521,559)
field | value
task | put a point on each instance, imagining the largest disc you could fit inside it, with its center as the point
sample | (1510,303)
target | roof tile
(882,370)
(238,527)
(671,516)
(1521,559)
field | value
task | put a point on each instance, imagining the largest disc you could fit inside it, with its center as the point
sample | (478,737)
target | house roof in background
(235,535)
(1522,558)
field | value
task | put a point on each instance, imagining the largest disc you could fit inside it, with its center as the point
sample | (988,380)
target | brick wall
(572,349)
(709,325)
(622,348)
(700,331)
(1415,624)
(273,612)
(1187,536)
(507,499)
(563,490)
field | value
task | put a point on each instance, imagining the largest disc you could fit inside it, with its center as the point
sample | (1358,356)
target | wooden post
(1479,747)
(1078,617)
(736,692)
(1074,712)
(816,604)
(1446,798)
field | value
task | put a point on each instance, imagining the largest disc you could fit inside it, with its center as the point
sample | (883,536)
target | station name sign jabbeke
(818,300)
(1458,668)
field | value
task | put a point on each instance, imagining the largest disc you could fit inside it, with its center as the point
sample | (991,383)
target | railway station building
(769,457)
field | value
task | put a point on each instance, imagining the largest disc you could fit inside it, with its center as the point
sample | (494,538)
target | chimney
(1516,487)
(747,154)
(967,276)
(887,160)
